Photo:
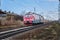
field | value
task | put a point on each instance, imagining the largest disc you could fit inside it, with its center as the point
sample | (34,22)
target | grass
(52,32)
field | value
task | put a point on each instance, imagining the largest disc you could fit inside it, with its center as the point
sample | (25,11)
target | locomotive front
(28,19)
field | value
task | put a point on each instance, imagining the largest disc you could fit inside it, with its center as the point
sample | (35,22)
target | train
(31,18)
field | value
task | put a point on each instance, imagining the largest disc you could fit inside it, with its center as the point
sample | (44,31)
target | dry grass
(14,25)
(50,33)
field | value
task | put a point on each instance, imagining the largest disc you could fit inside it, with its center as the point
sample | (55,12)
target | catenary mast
(59,11)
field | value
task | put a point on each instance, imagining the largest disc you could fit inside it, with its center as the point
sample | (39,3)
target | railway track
(11,28)
(13,32)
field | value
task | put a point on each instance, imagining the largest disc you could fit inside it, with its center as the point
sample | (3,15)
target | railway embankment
(17,24)
(52,32)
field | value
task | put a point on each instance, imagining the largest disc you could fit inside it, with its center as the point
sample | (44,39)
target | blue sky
(18,6)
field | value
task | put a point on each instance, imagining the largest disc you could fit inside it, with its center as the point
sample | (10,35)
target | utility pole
(34,10)
(59,11)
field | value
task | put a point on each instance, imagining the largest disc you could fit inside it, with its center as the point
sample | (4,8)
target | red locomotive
(32,18)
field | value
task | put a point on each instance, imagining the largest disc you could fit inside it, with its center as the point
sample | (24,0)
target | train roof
(30,13)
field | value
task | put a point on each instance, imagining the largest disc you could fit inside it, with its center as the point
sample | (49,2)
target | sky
(47,8)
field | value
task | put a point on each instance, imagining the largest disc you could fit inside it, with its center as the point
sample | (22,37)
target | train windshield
(27,16)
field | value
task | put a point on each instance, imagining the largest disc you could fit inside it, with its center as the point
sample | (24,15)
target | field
(50,33)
